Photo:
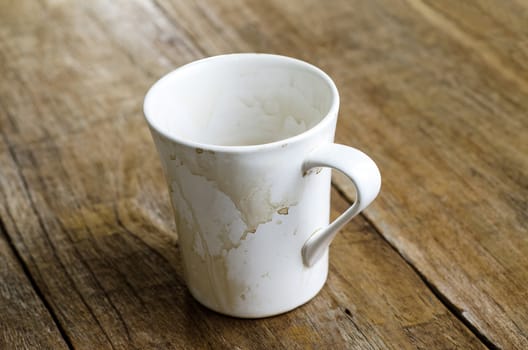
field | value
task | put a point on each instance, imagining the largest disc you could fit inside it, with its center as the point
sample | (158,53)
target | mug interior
(240,100)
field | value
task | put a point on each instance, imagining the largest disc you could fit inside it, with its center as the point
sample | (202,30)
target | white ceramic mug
(246,143)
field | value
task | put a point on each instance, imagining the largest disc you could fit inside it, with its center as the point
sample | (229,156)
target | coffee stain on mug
(211,251)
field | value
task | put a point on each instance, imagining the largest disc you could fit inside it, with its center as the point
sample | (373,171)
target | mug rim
(327,118)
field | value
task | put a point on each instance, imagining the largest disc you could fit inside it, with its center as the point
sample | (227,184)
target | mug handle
(365,176)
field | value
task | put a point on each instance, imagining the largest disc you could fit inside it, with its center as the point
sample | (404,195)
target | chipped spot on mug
(312,171)
(283,211)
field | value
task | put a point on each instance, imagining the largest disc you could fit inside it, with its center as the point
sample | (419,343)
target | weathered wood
(452,142)
(87,208)
(449,130)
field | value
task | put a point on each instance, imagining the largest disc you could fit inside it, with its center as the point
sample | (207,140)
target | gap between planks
(458,313)
(40,295)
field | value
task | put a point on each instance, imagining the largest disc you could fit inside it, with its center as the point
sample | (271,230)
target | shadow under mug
(246,144)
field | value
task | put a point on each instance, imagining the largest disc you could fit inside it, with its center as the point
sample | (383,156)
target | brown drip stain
(318,170)
(208,270)
(283,211)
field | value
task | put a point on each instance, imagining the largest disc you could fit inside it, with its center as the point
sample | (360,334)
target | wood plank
(90,216)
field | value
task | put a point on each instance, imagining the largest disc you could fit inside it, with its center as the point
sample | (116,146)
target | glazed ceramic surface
(246,143)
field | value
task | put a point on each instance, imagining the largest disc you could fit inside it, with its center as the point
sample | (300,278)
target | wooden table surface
(435,91)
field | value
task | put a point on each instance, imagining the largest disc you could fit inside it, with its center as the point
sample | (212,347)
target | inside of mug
(239,100)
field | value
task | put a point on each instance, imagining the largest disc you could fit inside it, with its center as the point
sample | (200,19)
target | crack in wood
(34,285)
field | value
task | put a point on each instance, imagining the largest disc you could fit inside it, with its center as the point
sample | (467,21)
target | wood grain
(434,91)
(455,136)
(89,214)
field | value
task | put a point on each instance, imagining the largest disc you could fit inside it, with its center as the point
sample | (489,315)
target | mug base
(255,315)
